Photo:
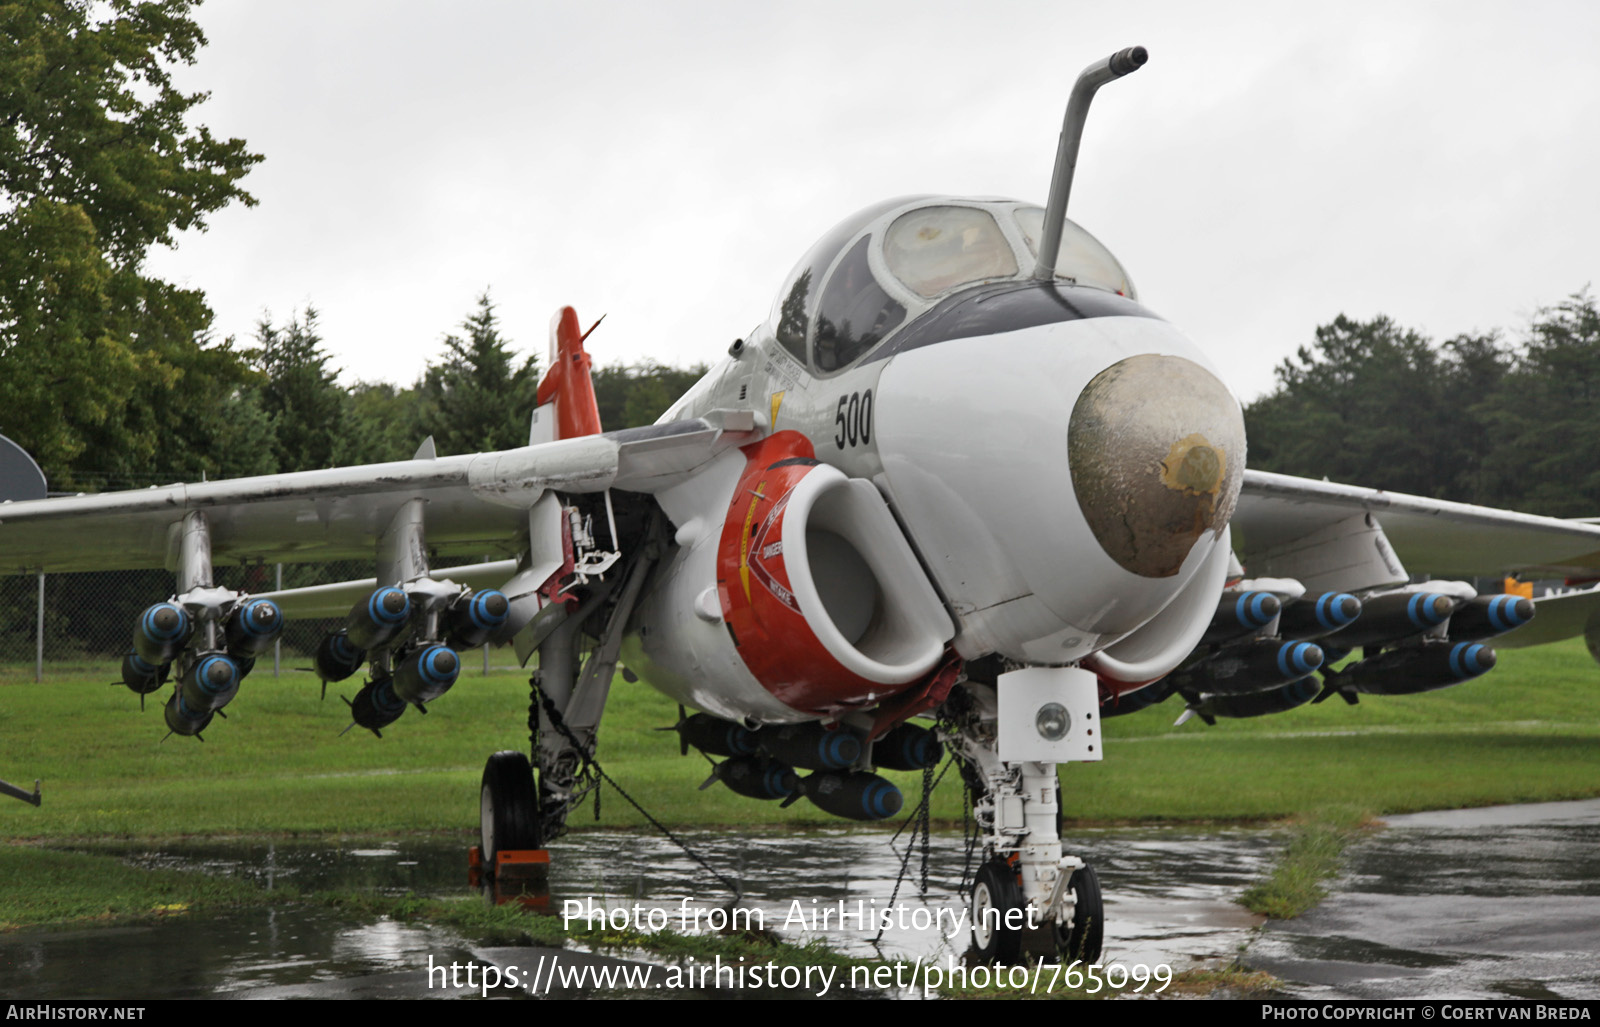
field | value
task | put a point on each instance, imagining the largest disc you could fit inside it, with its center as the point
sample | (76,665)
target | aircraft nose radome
(1156,450)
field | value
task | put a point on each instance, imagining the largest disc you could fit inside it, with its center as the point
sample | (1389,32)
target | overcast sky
(666,163)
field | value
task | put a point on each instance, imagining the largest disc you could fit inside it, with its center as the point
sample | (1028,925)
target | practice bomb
(1387,618)
(715,736)
(1406,670)
(1240,613)
(161,633)
(1139,699)
(427,674)
(210,682)
(254,626)
(756,778)
(907,747)
(1258,704)
(337,658)
(378,619)
(141,677)
(1488,616)
(854,796)
(184,720)
(473,618)
(1308,618)
(1252,667)
(376,705)
(809,746)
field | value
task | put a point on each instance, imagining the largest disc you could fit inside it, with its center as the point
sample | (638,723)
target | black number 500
(853,417)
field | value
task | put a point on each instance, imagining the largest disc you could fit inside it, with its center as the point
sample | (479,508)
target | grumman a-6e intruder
(960,474)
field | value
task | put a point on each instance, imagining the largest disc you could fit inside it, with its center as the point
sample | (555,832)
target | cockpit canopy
(881,268)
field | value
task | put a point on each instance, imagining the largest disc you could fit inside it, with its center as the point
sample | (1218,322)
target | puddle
(428,867)
(1168,900)
(1496,903)
(1168,893)
(216,955)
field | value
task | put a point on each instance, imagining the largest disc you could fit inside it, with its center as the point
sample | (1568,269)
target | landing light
(1053,722)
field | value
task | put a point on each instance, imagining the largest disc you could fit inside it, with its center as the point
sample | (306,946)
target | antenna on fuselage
(1121,63)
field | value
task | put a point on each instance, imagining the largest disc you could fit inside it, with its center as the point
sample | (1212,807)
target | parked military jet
(960,472)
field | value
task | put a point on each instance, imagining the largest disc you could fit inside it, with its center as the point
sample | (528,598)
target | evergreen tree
(631,396)
(478,397)
(381,423)
(1367,404)
(1476,368)
(299,394)
(1546,416)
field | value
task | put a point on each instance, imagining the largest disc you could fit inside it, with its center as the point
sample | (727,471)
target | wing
(1282,520)
(1307,549)
(476,504)
(1342,537)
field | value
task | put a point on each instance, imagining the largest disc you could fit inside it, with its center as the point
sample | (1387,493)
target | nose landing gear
(1028,900)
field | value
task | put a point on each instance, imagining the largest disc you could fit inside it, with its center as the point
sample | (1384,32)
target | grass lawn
(1528,731)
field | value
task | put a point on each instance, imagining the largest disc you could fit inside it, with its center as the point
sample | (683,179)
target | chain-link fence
(60,624)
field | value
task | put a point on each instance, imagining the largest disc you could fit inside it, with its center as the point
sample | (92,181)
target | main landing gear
(1028,899)
(510,863)
(508,810)
(520,814)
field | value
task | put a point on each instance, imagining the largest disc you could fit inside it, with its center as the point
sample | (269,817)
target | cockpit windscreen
(878,270)
(935,249)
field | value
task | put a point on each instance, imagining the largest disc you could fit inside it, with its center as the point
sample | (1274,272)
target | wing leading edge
(1278,513)
(476,504)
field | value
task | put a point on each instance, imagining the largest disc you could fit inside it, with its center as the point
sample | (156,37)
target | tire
(508,808)
(1086,938)
(996,889)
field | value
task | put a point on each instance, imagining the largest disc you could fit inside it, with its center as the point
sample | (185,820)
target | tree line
(1476,418)
(112,378)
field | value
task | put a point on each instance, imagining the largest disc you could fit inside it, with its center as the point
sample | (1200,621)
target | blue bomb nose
(1156,449)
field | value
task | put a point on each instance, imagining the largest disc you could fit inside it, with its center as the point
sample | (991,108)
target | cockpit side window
(854,313)
(792,317)
(797,302)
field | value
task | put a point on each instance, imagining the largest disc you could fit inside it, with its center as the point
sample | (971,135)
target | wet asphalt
(1493,903)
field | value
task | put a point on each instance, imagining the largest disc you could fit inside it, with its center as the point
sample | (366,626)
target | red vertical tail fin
(567,381)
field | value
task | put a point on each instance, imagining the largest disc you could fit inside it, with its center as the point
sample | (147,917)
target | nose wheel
(997,913)
(1085,939)
(1000,925)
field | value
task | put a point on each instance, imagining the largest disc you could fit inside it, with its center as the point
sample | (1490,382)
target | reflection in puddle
(1168,892)
(1168,897)
(219,954)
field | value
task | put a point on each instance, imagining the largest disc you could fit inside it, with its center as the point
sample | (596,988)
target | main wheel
(1086,938)
(508,813)
(996,927)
